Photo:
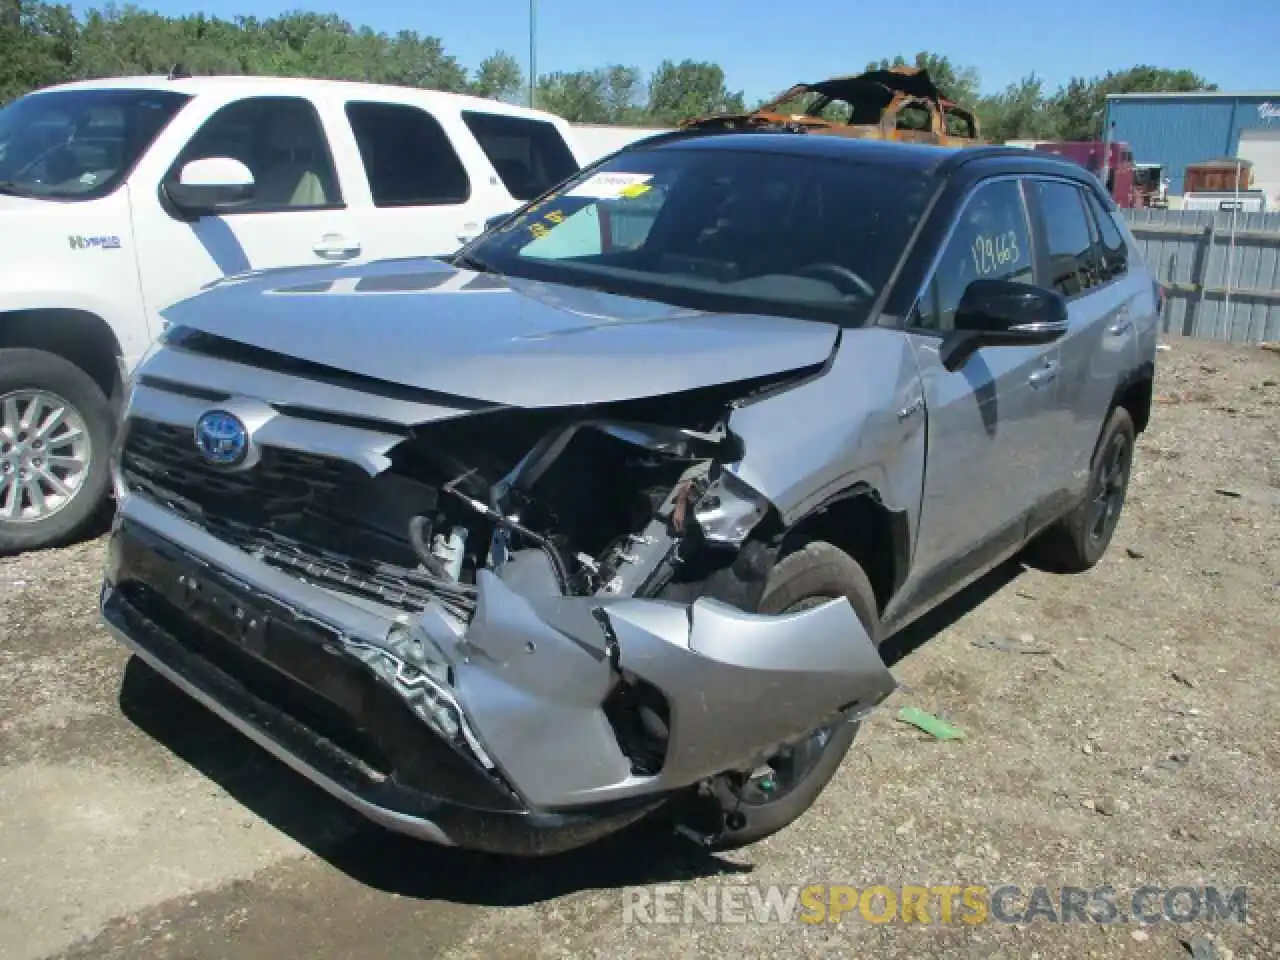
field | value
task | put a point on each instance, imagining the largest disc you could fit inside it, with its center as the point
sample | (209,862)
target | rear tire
(52,481)
(1077,541)
(815,573)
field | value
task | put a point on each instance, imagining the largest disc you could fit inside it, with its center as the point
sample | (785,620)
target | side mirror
(498,221)
(1002,313)
(210,186)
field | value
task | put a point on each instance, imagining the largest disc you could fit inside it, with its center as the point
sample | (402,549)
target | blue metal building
(1175,129)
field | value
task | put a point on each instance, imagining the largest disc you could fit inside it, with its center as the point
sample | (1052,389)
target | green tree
(500,78)
(578,96)
(1080,106)
(678,91)
(38,47)
(608,95)
(624,91)
(1017,112)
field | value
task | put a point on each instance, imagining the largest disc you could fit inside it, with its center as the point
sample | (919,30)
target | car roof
(928,159)
(234,85)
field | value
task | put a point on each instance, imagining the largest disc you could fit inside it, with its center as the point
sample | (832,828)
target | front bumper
(541,767)
(320,713)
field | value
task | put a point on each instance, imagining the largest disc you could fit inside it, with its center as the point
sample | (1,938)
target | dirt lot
(1132,739)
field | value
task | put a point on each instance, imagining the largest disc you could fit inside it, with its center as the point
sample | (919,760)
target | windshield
(78,144)
(722,230)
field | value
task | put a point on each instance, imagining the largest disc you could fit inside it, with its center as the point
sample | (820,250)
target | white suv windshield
(759,231)
(78,144)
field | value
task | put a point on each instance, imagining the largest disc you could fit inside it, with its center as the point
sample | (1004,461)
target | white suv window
(529,155)
(281,140)
(407,156)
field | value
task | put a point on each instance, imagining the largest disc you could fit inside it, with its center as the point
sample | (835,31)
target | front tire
(56,426)
(1077,541)
(815,574)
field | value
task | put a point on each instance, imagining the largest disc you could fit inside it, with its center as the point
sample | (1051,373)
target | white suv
(119,198)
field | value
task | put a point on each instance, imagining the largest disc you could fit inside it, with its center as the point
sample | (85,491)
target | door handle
(1045,375)
(334,247)
(1122,322)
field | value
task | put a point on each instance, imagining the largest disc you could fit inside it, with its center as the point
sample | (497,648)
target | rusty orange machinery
(897,103)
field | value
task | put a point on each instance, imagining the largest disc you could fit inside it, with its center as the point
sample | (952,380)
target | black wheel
(1077,541)
(56,427)
(779,792)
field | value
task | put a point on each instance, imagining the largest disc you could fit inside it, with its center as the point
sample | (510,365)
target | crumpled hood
(422,323)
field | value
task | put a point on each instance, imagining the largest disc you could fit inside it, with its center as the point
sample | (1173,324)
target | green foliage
(1025,111)
(500,78)
(43,43)
(1081,105)
(1018,112)
(681,90)
(608,95)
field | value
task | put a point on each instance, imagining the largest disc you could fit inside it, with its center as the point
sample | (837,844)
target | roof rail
(972,154)
(689,133)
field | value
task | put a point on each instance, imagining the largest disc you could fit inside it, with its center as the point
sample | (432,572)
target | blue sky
(765,46)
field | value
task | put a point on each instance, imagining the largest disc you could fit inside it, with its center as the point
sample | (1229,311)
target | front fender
(861,422)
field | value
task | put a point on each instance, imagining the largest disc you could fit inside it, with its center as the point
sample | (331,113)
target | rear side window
(1067,235)
(530,155)
(1113,254)
(407,156)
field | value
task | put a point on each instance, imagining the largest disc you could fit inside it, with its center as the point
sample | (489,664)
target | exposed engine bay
(619,507)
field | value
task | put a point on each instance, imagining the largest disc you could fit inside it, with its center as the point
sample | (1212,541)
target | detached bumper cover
(326,718)
(539,766)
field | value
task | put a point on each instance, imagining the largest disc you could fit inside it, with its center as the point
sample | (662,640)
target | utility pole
(533,51)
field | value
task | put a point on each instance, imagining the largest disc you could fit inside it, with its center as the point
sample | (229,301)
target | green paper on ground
(930,724)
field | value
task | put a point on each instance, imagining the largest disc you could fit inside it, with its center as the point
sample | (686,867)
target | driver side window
(991,242)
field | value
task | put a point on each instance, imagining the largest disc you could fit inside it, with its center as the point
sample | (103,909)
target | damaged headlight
(729,510)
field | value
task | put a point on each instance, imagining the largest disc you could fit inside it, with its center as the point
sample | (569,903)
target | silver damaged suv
(609,514)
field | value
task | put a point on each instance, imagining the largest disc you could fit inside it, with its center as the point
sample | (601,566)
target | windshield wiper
(11,189)
(469,262)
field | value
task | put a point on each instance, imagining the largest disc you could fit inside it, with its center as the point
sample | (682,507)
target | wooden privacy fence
(1221,271)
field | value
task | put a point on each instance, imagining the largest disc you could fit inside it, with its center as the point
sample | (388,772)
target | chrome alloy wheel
(45,454)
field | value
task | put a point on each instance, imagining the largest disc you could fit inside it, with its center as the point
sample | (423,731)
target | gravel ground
(1127,735)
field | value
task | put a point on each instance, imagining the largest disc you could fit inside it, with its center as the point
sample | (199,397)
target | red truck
(1128,185)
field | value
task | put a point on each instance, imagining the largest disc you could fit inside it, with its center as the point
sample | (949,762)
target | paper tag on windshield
(609,186)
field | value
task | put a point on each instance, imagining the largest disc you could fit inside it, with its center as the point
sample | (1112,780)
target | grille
(161,461)
(385,582)
(291,510)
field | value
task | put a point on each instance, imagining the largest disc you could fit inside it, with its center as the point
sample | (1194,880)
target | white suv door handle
(333,246)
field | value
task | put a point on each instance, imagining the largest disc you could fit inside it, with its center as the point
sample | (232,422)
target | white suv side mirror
(211,185)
